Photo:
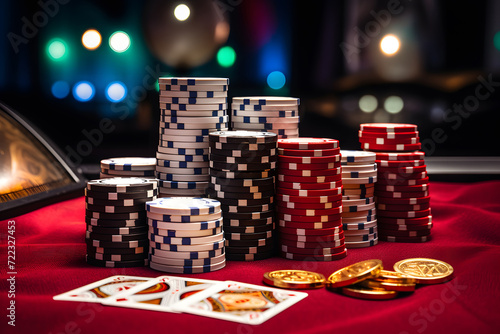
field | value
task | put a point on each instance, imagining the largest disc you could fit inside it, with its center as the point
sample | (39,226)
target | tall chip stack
(185,235)
(242,170)
(402,190)
(309,199)
(115,216)
(128,167)
(190,108)
(275,114)
(359,220)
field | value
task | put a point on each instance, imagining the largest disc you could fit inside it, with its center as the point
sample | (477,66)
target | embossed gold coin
(389,286)
(368,293)
(394,277)
(425,271)
(294,279)
(354,273)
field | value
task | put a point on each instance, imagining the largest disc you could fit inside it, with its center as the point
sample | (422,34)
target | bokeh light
(119,41)
(393,104)
(368,103)
(91,39)
(83,91)
(226,56)
(389,45)
(276,80)
(496,41)
(182,12)
(56,49)
(60,89)
(116,91)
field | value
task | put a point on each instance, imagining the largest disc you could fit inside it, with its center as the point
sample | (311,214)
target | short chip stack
(275,114)
(185,235)
(402,190)
(309,199)
(115,214)
(190,108)
(128,167)
(359,174)
(242,169)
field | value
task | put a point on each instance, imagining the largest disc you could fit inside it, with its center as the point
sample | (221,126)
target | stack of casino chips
(128,167)
(402,189)
(115,214)
(275,114)
(190,108)
(359,174)
(185,235)
(242,169)
(309,199)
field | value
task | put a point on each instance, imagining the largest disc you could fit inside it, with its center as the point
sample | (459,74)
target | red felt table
(51,260)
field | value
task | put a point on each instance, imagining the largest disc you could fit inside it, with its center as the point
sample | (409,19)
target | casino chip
(359,172)
(266,113)
(309,204)
(116,234)
(242,170)
(191,108)
(402,188)
(183,229)
(128,167)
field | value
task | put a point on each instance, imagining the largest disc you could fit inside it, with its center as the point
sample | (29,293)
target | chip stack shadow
(242,170)
(185,235)
(128,167)
(115,216)
(275,114)
(402,189)
(359,220)
(190,109)
(309,199)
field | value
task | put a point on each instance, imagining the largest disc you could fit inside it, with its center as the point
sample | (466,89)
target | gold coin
(394,277)
(294,279)
(389,286)
(425,271)
(354,273)
(368,293)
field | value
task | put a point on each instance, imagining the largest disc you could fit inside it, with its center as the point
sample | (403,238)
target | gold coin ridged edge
(371,272)
(368,293)
(277,282)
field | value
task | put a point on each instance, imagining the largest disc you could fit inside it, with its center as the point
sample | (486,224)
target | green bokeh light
(56,49)
(496,41)
(226,56)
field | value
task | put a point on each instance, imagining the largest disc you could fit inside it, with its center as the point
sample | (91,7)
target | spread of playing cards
(226,300)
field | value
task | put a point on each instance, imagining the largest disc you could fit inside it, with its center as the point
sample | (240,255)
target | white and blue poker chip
(184,206)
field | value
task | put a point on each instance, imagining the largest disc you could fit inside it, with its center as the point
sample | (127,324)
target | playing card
(160,293)
(240,302)
(98,291)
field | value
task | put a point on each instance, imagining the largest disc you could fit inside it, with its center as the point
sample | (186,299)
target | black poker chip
(249,243)
(117,251)
(245,209)
(248,236)
(116,223)
(149,193)
(268,181)
(119,202)
(116,237)
(115,209)
(249,229)
(243,154)
(243,202)
(222,194)
(117,230)
(231,147)
(111,244)
(242,174)
(105,215)
(242,167)
(250,250)
(258,158)
(249,215)
(242,189)
(247,222)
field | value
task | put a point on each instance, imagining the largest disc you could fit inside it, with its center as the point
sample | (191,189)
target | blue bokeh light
(116,91)
(276,80)
(83,91)
(60,89)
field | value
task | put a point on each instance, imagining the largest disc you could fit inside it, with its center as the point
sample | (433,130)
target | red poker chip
(391,238)
(402,177)
(307,232)
(390,194)
(403,227)
(404,214)
(315,206)
(283,167)
(387,127)
(308,143)
(318,250)
(309,186)
(386,141)
(404,221)
(310,179)
(317,225)
(388,135)
(301,244)
(401,156)
(310,212)
(309,199)
(405,182)
(403,201)
(301,257)
(402,207)
(391,148)
(420,187)
(309,153)
(307,219)
(311,173)
(402,170)
(407,163)
(305,193)
(309,160)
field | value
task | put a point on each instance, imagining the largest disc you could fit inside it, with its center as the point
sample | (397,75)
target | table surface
(50,259)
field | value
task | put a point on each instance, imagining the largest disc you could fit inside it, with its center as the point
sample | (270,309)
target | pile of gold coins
(367,279)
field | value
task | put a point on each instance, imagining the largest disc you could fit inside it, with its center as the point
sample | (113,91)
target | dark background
(451,44)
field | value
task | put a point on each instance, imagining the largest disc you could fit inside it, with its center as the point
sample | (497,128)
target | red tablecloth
(50,258)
